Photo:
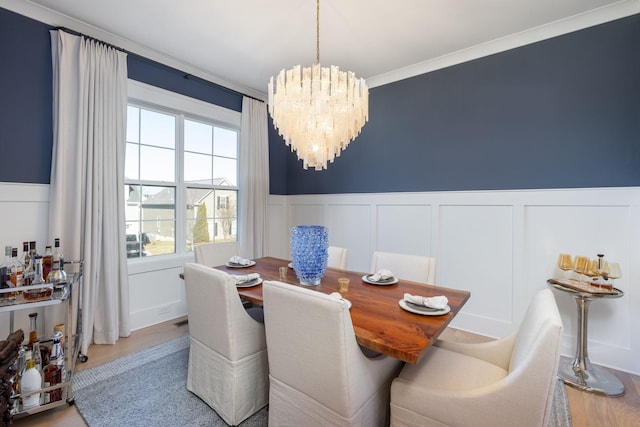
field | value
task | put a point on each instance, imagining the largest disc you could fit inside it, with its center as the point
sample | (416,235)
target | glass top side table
(580,373)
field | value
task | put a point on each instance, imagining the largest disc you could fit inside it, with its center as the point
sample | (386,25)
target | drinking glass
(614,270)
(581,265)
(343,284)
(593,270)
(565,262)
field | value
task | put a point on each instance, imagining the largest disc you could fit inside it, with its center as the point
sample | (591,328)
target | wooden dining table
(380,324)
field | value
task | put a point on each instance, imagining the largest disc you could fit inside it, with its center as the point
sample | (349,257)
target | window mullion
(181,236)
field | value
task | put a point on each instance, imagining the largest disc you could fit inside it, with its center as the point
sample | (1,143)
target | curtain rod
(185,75)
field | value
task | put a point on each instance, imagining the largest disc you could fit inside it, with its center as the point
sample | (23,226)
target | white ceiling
(244,42)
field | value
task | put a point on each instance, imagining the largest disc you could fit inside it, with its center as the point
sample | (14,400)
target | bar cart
(43,295)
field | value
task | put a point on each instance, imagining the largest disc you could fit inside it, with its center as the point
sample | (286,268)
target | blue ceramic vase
(309,252)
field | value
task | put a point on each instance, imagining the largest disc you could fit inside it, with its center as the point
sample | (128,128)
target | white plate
(254,282)
(387,282)
(233,265)
(425,311)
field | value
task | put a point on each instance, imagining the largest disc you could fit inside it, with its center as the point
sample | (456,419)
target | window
(181,173)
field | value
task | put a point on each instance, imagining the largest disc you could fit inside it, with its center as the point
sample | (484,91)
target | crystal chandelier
(318,110)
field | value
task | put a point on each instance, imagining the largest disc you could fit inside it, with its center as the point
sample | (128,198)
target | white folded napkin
(239,260)
(381,275)
(439,302)
(244,278)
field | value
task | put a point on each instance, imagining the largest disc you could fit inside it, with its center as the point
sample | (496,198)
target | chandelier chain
(318,32)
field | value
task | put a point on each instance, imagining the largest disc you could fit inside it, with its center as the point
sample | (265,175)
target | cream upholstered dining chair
(317,374)
(228,366)
(416,268)
(506,382)
(337,257)
(215,254)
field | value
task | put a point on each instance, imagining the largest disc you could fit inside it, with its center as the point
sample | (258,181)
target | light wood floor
(587,410)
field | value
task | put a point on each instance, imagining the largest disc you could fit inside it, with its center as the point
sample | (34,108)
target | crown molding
(598,16)
(56,19)
(564,26)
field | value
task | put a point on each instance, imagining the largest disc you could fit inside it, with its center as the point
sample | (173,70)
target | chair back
(416,268)
(215,254)
(216,315)
(312,346)
(536,351)
(539,333)
(337,257)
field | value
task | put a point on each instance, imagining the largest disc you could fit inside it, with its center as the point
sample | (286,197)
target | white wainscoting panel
(305,214)
(351,223)
(24,217)
(404,229)
(475,253)
(156,291)
(500,245)
(277,227)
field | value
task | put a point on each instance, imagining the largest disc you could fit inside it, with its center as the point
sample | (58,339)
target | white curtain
(254,178)
(86,202)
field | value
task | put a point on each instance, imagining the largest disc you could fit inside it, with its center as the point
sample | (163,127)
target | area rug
(149,388)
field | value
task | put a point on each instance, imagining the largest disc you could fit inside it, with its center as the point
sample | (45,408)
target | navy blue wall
(146,71)
(26,130)
(25,100)
(560,113)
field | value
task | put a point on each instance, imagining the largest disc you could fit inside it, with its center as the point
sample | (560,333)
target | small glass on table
(283,272)
(343,284)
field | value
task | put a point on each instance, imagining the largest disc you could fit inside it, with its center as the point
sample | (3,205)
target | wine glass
(581,265)
(610,271)
(614,270)
(593,271)
(565,262)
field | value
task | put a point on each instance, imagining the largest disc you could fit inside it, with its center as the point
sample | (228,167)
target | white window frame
(153,97)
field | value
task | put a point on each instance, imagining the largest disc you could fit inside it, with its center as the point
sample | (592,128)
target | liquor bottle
(58,254)
(57,269)
(26,254)
(21,366)
(37,273)
(5,278)
(8,261)
(33,328)
(7,255)
(18,269)
(34,341)
(27,274)
(55,373)
(42,292)
(29,270)
(33,253)
(47,260)
(31,381)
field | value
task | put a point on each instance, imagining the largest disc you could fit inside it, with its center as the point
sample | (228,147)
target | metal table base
(580,373)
